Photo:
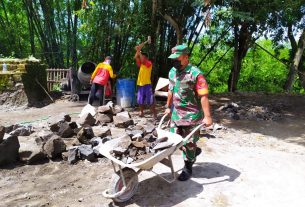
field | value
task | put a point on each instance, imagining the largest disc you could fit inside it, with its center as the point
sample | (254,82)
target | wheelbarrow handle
(161,121)
(189,135)
(192,132)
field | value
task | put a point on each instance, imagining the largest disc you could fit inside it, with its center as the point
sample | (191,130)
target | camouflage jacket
(186,103)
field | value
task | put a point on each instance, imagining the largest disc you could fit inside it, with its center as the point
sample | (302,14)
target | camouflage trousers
(188,148)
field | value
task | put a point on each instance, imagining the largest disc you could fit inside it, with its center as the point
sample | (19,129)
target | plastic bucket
(125,92)
(85,71)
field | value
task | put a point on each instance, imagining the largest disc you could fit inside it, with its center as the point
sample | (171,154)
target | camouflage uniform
(187,111)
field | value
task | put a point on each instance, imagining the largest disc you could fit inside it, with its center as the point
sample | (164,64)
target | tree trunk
(77,6)
(296,61)
(242,41)
(176,27)
(69,19)
(301,72)
(154,37)
(291,74)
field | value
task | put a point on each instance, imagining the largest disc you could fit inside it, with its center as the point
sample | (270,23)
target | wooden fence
(55,75)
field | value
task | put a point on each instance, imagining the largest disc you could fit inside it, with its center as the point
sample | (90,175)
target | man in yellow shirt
(145,94)
(99,80)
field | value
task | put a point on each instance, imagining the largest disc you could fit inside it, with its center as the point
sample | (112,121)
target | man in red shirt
(99,80)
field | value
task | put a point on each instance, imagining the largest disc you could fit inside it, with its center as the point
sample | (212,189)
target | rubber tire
(117,184)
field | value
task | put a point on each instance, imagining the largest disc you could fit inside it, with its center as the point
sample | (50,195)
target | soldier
(188,97)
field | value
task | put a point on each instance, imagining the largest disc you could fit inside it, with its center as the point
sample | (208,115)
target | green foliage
(3,82)
(56,87)
(260,71)
(62,34)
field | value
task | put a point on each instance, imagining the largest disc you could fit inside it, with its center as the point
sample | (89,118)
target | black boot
(198,151)
(186,172)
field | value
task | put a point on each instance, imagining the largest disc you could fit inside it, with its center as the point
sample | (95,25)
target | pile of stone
(250,112)
(135,148)
(62,138)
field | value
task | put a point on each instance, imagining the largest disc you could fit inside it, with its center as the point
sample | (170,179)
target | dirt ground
(251,163)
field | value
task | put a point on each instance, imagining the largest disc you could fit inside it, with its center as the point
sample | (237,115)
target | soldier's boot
(186,172)
(198,151)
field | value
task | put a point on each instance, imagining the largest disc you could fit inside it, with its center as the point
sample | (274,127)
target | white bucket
(125,102)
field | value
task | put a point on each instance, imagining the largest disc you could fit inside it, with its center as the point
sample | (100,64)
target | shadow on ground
(156,192)
(211,170)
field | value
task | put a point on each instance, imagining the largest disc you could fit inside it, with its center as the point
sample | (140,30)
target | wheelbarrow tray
(106,148)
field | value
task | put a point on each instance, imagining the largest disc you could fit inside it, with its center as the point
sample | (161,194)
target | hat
(179,50)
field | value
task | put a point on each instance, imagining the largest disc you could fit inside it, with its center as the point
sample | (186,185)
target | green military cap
(179,50)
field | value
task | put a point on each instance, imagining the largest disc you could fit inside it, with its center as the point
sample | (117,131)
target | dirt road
(252,163)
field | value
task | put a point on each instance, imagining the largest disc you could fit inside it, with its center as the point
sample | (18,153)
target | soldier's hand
(207,121)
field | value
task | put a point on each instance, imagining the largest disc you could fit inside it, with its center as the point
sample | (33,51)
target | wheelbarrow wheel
(117,184)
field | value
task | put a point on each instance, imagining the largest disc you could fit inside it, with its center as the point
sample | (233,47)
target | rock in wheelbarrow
(118,151)
(162,145)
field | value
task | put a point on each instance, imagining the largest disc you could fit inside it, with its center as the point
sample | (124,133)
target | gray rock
(22,131)
(42,136)
(124,114)
(104,109)
(98,140)
(85,134)
(9,150)
(103,118)
(54,122)
(138,127)
(140,144)
(117,132)
(86,152)
(29,151)
(124,142)
(100,131)
(133,152)
(2,132)
(117,109)
(95,141)
(65,130)
(71,142)
(73,155)
(66,117)
(9,129)
(122,122)
(54,147)
(149,128)
(119,150)
(86,119)
(73,125)
(149,138)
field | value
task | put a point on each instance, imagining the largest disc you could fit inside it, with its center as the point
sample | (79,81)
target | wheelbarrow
(124,182)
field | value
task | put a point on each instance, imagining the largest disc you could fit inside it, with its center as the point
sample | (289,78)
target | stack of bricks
(25,72)
(13,73)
